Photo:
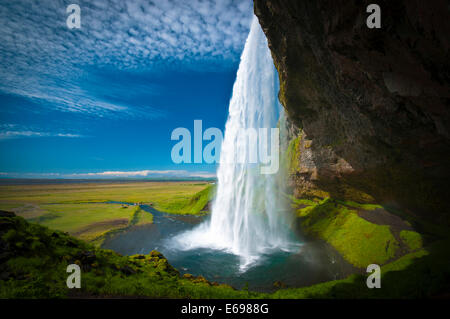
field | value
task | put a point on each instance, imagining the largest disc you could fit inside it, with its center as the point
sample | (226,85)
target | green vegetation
(412,239)
(34,260)
(359,241)
(293,154)
(156,193)
(359,205)
(82,209)
(189,206)
(302,201)
(141,218)
(9,207)
(86,221)
(416,275)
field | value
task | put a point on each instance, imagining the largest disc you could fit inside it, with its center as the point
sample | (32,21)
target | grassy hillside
(33,262)
(364,234)
(422,274)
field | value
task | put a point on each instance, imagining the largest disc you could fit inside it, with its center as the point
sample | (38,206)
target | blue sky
(103,100)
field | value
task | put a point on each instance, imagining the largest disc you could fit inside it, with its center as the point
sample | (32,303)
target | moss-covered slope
(34,259)
(364,234)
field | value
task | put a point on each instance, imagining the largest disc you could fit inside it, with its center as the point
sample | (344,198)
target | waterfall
(249,212)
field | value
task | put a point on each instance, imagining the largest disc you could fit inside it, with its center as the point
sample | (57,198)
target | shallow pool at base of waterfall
(312,262)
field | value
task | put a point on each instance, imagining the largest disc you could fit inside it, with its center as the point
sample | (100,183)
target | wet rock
(372,106)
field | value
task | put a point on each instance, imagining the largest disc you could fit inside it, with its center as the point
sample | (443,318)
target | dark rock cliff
(371,105)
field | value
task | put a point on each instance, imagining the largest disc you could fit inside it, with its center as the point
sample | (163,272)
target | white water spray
(248,215)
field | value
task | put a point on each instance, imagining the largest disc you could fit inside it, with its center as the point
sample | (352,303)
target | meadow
(90,211)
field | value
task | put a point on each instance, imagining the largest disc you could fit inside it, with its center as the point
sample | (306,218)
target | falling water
(248,215)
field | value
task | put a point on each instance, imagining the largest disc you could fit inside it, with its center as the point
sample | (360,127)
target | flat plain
(90,210)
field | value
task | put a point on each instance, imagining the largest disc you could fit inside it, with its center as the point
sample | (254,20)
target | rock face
(372,105)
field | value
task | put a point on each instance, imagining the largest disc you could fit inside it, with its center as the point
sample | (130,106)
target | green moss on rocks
(421,274)
(412,239)
(293,154)
(34,259)
(360,205)
(360,242)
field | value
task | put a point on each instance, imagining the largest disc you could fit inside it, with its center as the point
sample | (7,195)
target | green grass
(170,197)
(10,206)
(92,222)
(301,201)
(156,193)
(293,154)
(81,209)
(360,242)
(141,218)
(359,205)
(38,257)
(412,239)
(86,221)
(421,274)
(190,205)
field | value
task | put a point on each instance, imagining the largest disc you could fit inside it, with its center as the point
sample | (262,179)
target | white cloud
(117,174)
(42,59)
(11,131)
(146,173)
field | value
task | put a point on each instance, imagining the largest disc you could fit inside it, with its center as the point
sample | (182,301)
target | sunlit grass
(157,193)
(86,221)
(83,210)
(189,204)
(359,241)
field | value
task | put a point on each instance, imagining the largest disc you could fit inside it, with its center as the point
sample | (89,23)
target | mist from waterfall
(249,214)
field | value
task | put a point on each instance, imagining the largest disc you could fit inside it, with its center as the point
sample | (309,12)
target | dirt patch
(380,216)
(30,211)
